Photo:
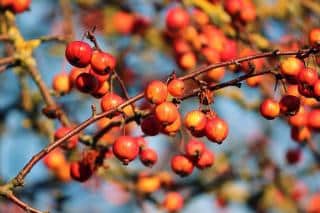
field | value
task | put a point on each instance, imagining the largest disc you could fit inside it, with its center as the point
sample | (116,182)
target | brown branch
(66,8)
(123,87)
(19,179)
(21,204)
(34,72)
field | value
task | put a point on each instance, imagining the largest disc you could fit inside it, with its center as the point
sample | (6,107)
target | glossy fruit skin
(61,83)
(194,148)
(19,6)
(216,130)
(269,109)
(205,160)
(176,88)
(181,165)
(308,76)
(110,101)
(300,119)
(177,18)
(80,172)
(195,120)
(314,36)
(78,53)
(289,105)
(166,113)
(54,159)
(102,90)
(300,134)
(142,143)
(86,83)
(313,119)
(293,156)
(71,143)
(126,149)
(173,202)
(173,128)
(74,73)
(102,63)
(291,67)
(150,126)
(148,157)
(156,92)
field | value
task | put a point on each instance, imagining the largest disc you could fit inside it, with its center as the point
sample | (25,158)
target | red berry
(86,83)
(316,89)
(74,73)
(61,132)
(291,67)
(173,202)
(205,160)
(299,119)
(301,134)
(156,92)
(314,119)
(308,76)
(177,18)
(142,143)
(102,63)
(110,101)
(78,53)
(176,87)
(233,7)
(102,90)
(148,157)
(314,36)
(80,172)
(216,130)
(19,6)
(194,148)
(293,156)
(150,126)
(269,109)
(166,113)
(289,105)
(181,165)
(126,149)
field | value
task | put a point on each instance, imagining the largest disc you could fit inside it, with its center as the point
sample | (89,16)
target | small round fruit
(173,128)
(289,105)
(148,184)
(150,126)
(86,83)
(61,132)
(291,67)
(148,157)
(269,109)
(80,172)
(102,63)
(19,6)
(308,76)
(74,73)
(316,89)
(102,90)
(195,120)
(166,113)
(293,156)
(61,83)
(54,159)
(187,60)
(314,119)
(177,18)
(176,87)
(314,36)
(205,160)
(156,92)
(123,22)
(300,119)
(181,165)
(78,53)
(142,143)
(173,202)
(126,149)
(194,148)
(216,130)
(301,134)
(110,101)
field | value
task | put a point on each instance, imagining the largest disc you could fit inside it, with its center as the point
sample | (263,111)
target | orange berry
(102,63)
(291,67)
(156,92)
(71,142)
(269,109)
(181,165)
(314,36)
(173,202)
(176,87)
(195,120)
(110,101)
(216,130)
(148,157)
(126,149)
(166,113)
(205,160)
(177,18)
(61,83)
(194,148)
